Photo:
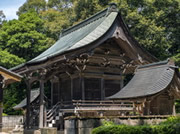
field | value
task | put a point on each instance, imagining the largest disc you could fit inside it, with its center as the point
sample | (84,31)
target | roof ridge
(165,62)
(112,8)
(84,22)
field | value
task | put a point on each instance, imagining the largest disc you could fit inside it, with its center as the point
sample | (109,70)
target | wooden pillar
(148,107)
(41,103)
(82,87)
(60,98)
(71,88)
(134,108)
(45,117)
(1,101)
(174,109)
(121,81)
(52,99)
(158,106)
(102,89)
(28,95)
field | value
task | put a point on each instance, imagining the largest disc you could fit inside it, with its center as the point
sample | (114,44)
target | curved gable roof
(74,38)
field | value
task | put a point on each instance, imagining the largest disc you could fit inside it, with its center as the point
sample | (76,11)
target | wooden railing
(106,106)
(58,107)
(94,106)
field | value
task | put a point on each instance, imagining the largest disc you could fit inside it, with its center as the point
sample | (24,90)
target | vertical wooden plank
(41,109)
(1,101)
(102,89)
(28,94)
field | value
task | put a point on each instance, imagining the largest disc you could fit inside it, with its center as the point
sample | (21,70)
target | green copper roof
(80,35)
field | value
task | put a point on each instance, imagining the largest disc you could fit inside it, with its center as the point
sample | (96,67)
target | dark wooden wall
(162,105)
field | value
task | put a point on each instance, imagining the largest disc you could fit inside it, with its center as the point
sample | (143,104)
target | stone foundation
(41,131)
(85,125)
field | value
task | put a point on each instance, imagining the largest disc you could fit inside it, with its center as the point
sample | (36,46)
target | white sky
(10,7)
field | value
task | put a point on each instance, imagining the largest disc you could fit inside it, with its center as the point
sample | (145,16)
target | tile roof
(34,94)
(80,35)
(148,80)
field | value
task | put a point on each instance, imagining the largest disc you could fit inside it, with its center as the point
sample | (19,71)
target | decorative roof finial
(112,7)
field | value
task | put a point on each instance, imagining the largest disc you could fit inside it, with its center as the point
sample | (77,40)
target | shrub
(4,114)
(170,126)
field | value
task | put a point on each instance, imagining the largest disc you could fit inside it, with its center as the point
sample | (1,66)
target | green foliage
(37,5)
(2,18)
(4,114)
(171,126)
(122,129)
(154,23)
(12,96)
(24,37)
(59,5)
(20,41)
(54,22)
(107,123)
(176,58)
(172,120)
(177,104)
(9,60)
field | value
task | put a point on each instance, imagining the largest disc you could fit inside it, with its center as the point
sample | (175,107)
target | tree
(24,37)
(60,5)
(9,60)
(2,18)
(37,5)
(54,22)
(155,24)
(20,41)
(84,9)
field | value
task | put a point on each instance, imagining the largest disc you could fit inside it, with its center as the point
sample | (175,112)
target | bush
(122,129)
(172,120)
(4,114)
(171,126)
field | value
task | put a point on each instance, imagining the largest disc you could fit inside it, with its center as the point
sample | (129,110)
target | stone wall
(10,121)
(85,125)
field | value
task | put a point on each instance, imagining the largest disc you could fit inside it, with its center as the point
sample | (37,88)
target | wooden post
(134,108)
(71,88)
(148,107)
(45,116)
(102,89)
(60,98)
(121,82)
(41,103)
(1,101)
(28,94)
(52,99)
(174,109)
(82,87)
